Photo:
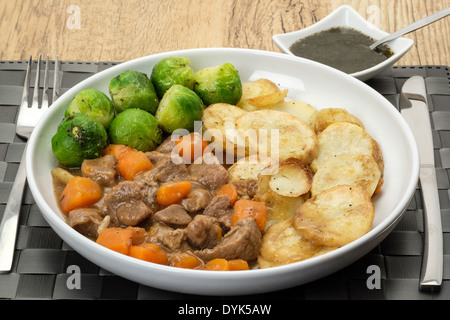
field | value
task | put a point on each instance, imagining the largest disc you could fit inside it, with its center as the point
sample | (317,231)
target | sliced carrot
(238,264)
(129,161)
(185,260)
(230,190)
(173,192)
(149,252)
(117,150)
(248,208)
(80,192)
(191,146)
(139,235)
(117,239)
(217,265)
(133,162)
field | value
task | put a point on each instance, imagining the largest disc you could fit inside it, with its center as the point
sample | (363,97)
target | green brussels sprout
(179,108)
(78,137)
(93,103)
(136,128)
(218,84)
(132,89)
(170,71)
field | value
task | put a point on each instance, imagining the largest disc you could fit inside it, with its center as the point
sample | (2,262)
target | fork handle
(10,220)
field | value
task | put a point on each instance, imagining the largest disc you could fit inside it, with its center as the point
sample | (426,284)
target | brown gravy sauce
(342,48)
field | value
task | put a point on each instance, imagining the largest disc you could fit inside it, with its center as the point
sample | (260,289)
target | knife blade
(414,109)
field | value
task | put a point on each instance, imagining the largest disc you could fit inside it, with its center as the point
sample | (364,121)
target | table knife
(414,109)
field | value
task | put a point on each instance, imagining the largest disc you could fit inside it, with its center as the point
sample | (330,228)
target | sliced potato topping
(342,138)
(292,179)
(283,244)
(335,217)
(277,134)
(260,93)
(316,169)
(351,169)
(328,116)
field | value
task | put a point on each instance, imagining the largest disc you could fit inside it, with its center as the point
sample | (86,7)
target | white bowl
(306,80)
(346,16)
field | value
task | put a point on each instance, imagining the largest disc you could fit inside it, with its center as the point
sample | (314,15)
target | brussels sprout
(218,84)
(78,137)
(170,71)
(132,89)
(136,128)
(93,103)
(179,108)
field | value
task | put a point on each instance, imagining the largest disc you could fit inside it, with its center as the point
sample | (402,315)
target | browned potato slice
(277,134)
(248,167)
(264,263)
(299,109)
(260,93)
(292,179)
(219,122)
(378,156)
(279,207)
(268,99)
(260,87)
(283,244)
(351,169)
(335,217)
(327,116)
(221,116)
(343,137)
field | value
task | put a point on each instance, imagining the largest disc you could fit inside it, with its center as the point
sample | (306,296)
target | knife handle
(432,263)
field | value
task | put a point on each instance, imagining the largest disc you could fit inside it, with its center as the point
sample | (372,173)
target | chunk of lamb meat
(246,188)
(198,199)
(204,232)
(125,205)
(243,241)
(165,170)
(219,207)
(168,168)
(161,233)
(209,173)
(102,170)
(149,188)
(86,221)
(168,145)
(154,156)
(174,215)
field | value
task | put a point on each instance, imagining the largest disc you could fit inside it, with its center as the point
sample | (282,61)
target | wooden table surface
(120,30)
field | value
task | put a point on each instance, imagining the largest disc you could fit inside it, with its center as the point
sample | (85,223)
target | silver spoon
(412,27)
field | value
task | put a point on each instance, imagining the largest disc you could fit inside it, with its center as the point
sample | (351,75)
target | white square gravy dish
(346,16)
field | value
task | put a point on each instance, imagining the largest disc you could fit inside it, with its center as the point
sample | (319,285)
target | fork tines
(56,81)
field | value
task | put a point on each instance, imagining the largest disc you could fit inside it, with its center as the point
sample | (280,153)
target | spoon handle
(413,26)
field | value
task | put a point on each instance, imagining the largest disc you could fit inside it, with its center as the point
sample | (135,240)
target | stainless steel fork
(26,121)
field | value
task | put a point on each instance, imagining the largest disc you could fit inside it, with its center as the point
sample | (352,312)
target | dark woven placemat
(40,268)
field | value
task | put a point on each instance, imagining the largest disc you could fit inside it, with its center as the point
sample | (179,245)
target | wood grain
(120,30)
